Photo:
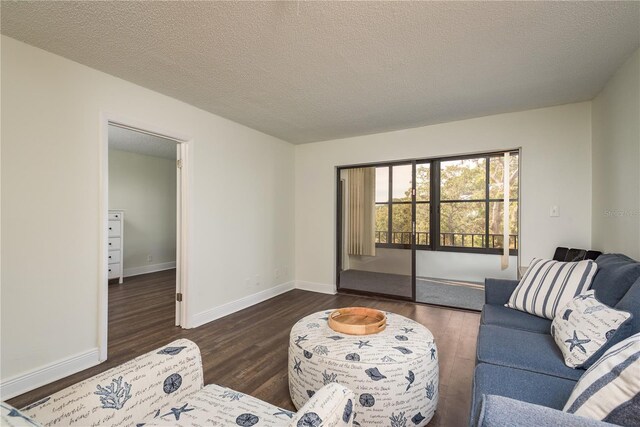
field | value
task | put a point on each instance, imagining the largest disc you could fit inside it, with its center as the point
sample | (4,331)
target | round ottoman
(393,373)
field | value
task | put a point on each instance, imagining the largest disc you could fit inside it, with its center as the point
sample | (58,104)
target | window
(394,186)
(463,189)
(459,204)
(423,204)
(472,202)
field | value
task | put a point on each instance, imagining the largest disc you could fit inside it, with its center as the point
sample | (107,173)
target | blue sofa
(520,377)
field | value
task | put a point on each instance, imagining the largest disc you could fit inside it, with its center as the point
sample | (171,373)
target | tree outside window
(470,204)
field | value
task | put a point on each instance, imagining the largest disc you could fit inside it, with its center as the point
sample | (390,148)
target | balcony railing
(461,240)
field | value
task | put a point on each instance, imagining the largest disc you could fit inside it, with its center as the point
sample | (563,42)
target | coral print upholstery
(394,373)
(332,405)
(219,406)
(128,393)
(11,417)
(165,387)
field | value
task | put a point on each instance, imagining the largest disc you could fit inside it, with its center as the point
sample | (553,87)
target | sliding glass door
(375,217)
(438,227)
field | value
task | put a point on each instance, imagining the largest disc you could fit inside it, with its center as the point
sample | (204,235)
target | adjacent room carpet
(381,283)
(451,293)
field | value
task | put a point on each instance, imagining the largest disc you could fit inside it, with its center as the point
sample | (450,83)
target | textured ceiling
(141,143)
(311,71)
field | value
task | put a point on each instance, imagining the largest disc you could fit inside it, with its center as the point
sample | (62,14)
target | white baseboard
(136,271)
(35,378)
(322,288)
(239,304)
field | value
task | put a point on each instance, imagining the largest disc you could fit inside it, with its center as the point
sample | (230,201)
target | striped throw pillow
(610,389)
(548,285)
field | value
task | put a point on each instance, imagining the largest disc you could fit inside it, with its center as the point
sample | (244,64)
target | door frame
(183,201)
(339,228)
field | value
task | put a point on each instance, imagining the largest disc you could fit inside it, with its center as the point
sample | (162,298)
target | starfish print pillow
(585,328)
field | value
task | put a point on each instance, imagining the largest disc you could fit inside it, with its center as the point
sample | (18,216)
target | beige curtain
(504,260)
(361,185)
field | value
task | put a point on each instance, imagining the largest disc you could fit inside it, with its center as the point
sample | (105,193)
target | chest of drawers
(116,244)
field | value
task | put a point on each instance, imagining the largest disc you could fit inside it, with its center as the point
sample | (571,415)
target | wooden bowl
(357,320)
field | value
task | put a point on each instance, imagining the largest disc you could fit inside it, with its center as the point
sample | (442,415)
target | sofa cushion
(527,386)
(498,291)
(525,350)
(574,254)
(500,315)
(610,390)
(616,273)
(631,302)
(548,285)
(585,328)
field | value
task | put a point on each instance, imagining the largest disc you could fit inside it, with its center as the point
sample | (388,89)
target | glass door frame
(434,207)
(339,226)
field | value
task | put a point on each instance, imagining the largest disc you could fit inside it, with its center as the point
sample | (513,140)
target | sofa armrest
(499,411)
(498,291)
(332,406)
(126,393)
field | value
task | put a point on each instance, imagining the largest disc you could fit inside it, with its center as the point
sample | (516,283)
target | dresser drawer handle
(110,228)
(109,269)
(109,256)
(109,243)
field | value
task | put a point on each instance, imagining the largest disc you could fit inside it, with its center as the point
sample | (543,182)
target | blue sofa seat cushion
(616,273)
(500,315)
(524,350)
(527,386)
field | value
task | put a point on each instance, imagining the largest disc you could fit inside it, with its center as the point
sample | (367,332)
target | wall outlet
(149,258)
(554,211)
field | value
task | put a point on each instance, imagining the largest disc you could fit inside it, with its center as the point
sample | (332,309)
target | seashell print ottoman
(393,373)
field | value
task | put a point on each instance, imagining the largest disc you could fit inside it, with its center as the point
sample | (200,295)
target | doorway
(429,230)
(375,217)
(144,205)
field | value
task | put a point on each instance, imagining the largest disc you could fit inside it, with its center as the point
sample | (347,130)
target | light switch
(554,211)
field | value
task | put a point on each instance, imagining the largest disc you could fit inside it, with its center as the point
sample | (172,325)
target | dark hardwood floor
(247,351)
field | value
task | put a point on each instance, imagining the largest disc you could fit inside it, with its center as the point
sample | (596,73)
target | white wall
(392,261)
(436,264)
(616,162)
(145,188)
(241,187)
(464,266)
(556,170)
